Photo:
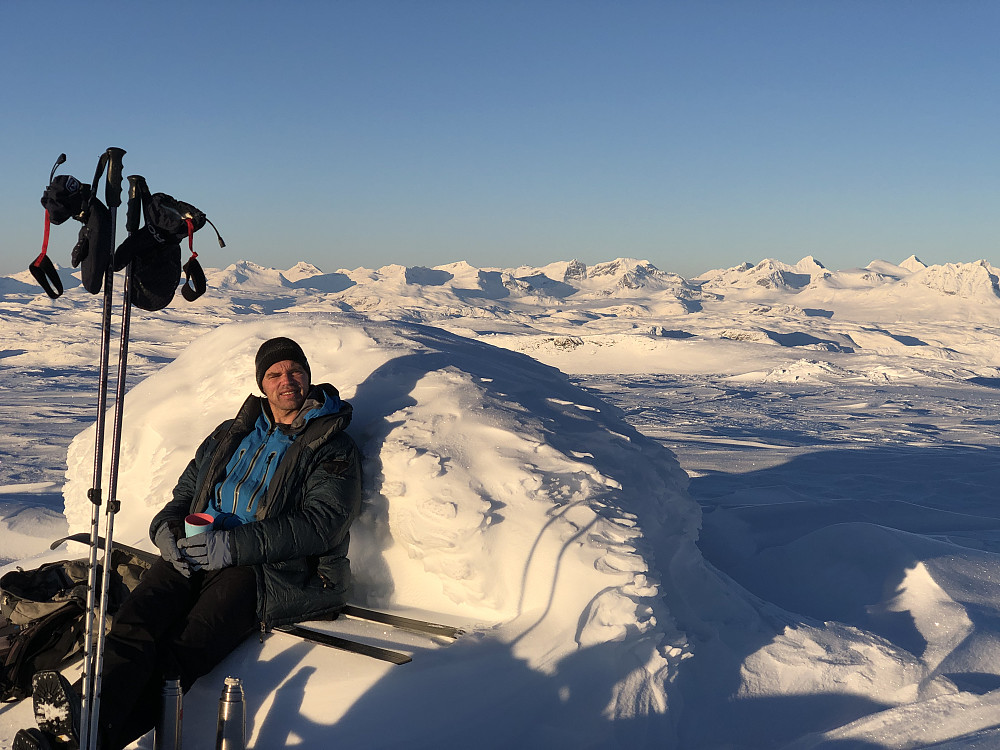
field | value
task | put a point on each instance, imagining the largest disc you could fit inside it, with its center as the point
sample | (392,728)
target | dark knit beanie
(278,350)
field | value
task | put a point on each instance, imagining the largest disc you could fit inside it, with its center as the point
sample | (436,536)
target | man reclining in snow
(282,482)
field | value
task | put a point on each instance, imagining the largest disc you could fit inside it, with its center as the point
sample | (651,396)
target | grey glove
(166,540)
(207,551)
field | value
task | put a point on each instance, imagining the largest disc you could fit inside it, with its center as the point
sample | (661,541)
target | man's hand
(207,551)
(166,540)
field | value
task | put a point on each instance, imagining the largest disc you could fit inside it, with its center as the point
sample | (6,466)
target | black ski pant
(169,627)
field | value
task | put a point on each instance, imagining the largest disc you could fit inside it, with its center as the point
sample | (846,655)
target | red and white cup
(197,523)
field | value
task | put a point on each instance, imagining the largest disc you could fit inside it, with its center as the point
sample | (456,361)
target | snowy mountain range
(602,286)
(625,277)
(622,278)
(884,321)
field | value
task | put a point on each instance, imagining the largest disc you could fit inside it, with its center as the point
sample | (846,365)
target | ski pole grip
(113,188)
(134,203)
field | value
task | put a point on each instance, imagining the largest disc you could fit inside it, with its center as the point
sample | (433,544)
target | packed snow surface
(754,509)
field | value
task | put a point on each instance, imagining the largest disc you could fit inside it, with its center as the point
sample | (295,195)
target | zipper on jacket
(218,487)
(253,495)
(246,475)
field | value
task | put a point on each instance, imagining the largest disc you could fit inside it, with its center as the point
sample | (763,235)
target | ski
(359,613)
(147,557)
(345,644)
(403,623)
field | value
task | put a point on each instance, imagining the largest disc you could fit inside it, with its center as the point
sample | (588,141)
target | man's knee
(162,598)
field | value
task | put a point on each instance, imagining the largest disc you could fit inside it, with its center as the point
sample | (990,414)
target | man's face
(286,385)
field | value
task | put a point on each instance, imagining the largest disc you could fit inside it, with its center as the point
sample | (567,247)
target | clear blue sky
(694,134)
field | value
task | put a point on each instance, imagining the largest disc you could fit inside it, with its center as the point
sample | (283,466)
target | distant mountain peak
(246,273)
(913,263)
(809,264)
(301,270)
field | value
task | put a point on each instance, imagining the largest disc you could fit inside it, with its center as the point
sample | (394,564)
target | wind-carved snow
(495,490)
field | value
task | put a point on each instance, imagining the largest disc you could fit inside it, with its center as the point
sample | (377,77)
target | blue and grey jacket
(298,534)
(250,470)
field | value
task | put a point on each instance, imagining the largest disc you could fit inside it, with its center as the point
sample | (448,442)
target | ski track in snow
(845,473)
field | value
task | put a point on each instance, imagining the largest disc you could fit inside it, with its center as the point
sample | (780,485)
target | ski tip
(81,537)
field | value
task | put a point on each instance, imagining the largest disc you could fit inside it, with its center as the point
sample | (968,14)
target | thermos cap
(232,690)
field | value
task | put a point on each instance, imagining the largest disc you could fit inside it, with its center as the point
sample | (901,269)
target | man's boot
(57,707)
(31,739)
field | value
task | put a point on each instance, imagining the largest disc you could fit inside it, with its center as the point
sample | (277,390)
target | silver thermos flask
(167,734)
(231,731)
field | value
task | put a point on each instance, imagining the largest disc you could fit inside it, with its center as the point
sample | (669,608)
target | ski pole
(95,494)
(93,653)
(131,223)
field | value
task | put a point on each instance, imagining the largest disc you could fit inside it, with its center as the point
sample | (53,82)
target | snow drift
(495,491)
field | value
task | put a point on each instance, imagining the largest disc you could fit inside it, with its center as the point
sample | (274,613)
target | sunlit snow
(754,509)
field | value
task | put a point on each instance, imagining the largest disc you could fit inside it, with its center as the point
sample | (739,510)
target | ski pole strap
(139,191)
(42,269)
(102,164)
(45,237)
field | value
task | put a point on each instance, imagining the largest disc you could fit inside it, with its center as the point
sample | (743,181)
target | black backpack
(42,615)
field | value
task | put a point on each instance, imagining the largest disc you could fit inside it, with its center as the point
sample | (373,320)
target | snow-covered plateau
(751,509)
